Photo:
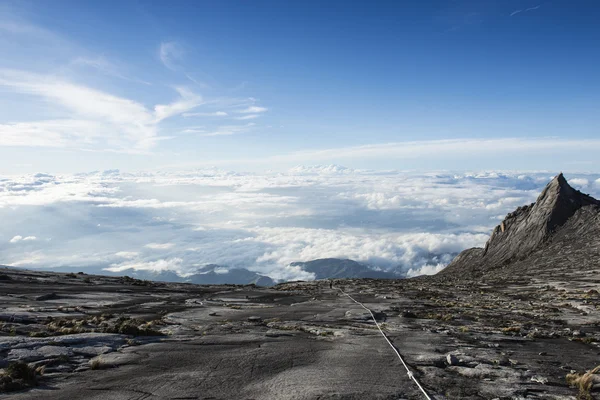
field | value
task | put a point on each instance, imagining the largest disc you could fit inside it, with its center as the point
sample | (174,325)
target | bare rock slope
(562,226)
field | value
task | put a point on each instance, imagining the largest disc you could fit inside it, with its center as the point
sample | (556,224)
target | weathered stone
(48,296)
(503,361)
(451,359)
(55,351)
(91,350)
(26,355)
(539,379)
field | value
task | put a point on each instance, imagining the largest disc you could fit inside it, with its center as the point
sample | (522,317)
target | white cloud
(385,249)
(425,270)
(127,254)
(579,182)
(417,151)
(40,189)
(246,117)
(170,54)
(160,246)
(194,130)
(171,264)
(104,66)
(263,222)
(58,133)
(253,110)
(228,130)
(525,10)
(20,238)
(206,114)
(188,101)
(98,120)
(321,170)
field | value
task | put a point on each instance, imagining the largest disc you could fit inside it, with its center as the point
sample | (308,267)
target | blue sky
(261,85)
(254,134)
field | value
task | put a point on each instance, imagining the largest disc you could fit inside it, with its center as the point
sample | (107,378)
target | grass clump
(18,376)
(100,323)
(67,326)
(97,363)
(512,330)
(585,383)
(133,327)
(440,316)
(586,340)
(38,334)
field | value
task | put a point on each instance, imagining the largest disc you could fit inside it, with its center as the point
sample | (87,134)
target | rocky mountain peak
(528,227)
(559,201)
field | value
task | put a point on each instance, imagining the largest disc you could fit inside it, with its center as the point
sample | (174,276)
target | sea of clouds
(413,223)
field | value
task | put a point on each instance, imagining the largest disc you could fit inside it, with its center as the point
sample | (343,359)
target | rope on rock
(408,371)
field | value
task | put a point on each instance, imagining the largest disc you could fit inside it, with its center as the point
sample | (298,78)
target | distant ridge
(330,268)
(531,228)
(211,274)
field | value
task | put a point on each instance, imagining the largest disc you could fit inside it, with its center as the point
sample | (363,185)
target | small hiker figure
(330,284)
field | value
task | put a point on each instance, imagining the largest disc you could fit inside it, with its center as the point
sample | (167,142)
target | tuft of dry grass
(19,375)
(585,382)
(97,363)
(511,330)
(440,316)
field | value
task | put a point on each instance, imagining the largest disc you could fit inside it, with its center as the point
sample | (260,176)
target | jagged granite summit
(561,229)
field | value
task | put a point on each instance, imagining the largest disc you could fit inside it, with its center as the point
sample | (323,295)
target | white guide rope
(408,371)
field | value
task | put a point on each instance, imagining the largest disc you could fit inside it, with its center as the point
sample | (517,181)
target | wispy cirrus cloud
(512,14)
(253,110)
(170,54)
(20,238)
(247,117)
(96,119)
(105,66)
(160,246)
(206,114)
(76,102)
(228,130)
(425,149)
(187,101)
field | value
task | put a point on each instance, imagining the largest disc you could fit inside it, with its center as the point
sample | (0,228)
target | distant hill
(208,275)
(330,268)
(558,233)
(215,274)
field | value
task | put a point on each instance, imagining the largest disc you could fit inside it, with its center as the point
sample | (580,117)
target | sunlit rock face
(562,224)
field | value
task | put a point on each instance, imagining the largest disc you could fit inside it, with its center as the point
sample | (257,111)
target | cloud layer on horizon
(414,223)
